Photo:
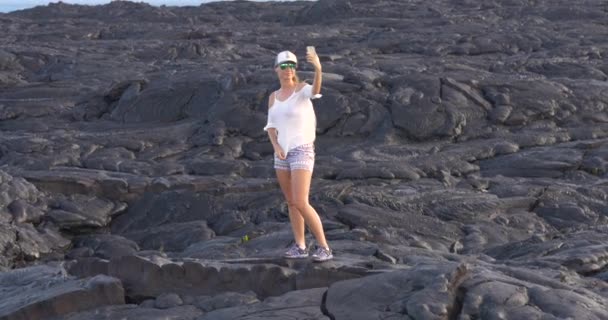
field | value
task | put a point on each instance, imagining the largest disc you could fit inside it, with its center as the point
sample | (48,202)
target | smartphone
(310,49)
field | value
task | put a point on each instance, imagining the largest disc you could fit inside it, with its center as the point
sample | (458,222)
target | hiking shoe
(295,252)
(322,254)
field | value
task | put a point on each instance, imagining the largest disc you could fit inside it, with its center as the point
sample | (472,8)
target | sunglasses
(287,65)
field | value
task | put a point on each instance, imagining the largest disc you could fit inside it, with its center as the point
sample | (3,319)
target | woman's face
(286,70)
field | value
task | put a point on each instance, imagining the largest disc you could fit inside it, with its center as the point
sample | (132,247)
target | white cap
(284,57)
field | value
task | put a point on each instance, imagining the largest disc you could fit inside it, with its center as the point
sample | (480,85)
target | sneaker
(295,252)
(322,254)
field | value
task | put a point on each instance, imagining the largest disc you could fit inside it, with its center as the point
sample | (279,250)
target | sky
(12,5)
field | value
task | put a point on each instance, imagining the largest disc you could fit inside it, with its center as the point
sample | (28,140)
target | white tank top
(294,118)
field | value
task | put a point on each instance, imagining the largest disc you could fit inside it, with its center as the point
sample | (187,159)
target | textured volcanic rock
(462,155)
(46,292)
(441,292)
(26,234)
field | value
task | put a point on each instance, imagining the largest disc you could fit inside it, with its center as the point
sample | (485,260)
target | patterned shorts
(299,158)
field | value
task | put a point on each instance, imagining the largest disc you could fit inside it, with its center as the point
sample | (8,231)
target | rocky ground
(462,161)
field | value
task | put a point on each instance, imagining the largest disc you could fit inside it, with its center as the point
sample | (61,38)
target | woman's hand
(280,152)
(313,59)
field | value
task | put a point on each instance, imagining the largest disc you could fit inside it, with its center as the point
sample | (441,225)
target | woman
(291,128)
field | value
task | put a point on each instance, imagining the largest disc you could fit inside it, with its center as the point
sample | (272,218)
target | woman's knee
(291,206)
(301,205)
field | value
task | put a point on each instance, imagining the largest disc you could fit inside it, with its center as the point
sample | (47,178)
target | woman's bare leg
(297,222)
(300,188)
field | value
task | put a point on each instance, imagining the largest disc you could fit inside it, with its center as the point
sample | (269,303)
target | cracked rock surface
(461,168)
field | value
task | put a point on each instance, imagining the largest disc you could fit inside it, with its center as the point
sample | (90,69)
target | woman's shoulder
(271,98)
(301,86)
